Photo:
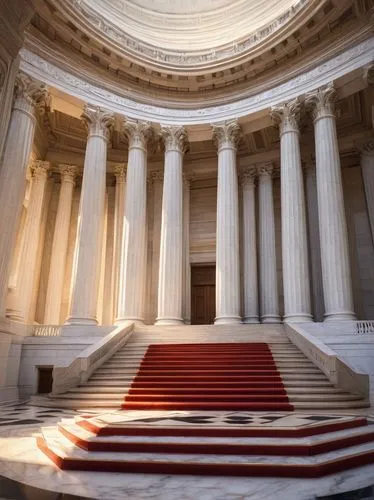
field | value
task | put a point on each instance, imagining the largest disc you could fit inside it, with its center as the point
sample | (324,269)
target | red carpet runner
(208,377)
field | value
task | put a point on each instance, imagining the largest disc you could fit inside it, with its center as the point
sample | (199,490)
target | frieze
(347,61)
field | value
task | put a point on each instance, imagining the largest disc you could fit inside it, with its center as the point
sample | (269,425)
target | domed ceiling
(193,53)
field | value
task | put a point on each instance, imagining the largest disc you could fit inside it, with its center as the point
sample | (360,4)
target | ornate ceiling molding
(320,75)
(112,20)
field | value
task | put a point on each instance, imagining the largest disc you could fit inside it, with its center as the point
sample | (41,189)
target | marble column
(59,246)
(336,273)
(296,286)
(250,285)
(269,301)
(367,170)
(134,240)
(157,178)
(170,286)
(88,251)
(226,137)
(314,244)
(31,241)
(120,172)
(30,97)
(186,306)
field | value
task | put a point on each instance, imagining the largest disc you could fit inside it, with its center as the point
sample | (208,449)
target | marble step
(64,452)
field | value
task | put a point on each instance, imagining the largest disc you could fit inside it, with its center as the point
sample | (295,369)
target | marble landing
(22,462)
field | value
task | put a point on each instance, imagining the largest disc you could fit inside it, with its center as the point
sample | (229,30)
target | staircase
(214,368)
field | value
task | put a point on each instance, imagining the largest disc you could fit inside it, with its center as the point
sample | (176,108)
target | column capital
(138,133)
(156,176)
(29,94)
(369,75)
(265,169)
(366,148)
(287,116)
(68,172)
(321,102)
(226,134)
(120,172)
(248,176)
(98,121)
(175,138)
(40,168)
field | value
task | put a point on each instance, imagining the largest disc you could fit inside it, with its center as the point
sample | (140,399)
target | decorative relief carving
(369,74)
(227,134)
(40,168)
(120,172)
(175,138)
(287,116)
(355,57)
(68,172)
(29,94)
(248,176)
(321,102)
(149,51)
(97,121)
(138,133)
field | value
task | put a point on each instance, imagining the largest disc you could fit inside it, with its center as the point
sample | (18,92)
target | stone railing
(81,368)
(364,327)
(339,372)
(46,331)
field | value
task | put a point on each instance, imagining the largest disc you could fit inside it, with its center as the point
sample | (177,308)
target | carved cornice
(68,172)
(308,80)
(40,168)
(227,134)
(29,94)
(248,176)
(287,116)
(98,122)
(138,133)
(175,139)
(321,102)
(120,172)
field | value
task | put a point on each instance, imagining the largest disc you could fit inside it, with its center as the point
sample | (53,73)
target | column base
(121,321)
(271,319)
(340,316)
(81,321)
(228,320)
(169,321)
(251,320)
(298,318)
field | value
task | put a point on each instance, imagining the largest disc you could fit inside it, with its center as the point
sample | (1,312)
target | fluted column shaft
(268,265)
(170,289)
(88,252)
(336,273)
(186,251)
(296,286)
(119,217)
(227,247)
(249,246)
(367,169)
(133,252)
(29,99)
(59,246)
(29,252)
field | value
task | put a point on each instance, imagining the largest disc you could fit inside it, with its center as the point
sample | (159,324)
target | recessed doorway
(203,294)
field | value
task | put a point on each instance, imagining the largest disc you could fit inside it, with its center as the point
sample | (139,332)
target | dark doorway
(45,379)
(203,294)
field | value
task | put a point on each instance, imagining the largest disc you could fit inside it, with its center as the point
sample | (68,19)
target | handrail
(46,330)
(81,368)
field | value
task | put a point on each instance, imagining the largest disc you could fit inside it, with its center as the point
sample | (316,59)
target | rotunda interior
(178,178)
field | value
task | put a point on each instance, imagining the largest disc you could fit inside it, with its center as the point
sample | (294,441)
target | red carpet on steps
(241,376)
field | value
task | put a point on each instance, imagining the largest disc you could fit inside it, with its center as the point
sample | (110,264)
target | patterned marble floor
(21,462)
